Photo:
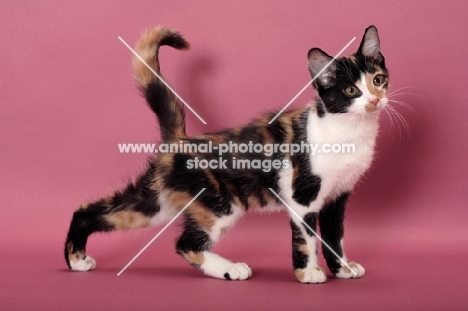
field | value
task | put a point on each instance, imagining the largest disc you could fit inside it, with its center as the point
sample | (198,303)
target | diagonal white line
(313,231)
(311,81)
(162,80)
(160,232)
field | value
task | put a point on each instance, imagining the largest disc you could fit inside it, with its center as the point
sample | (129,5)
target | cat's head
(355,84)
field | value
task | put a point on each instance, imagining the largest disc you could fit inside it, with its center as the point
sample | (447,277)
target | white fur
(217,266)
(224,223)
(86,264)
(360,271)
(339,172)
(313,272)
(314,275)
(166,213)
(286,192)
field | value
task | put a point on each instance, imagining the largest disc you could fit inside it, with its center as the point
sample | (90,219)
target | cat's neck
(342,126)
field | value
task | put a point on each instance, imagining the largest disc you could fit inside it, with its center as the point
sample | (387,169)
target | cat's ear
(370,44)
(318,60)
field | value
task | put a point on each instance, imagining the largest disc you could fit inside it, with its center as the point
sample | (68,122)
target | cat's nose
(374,101)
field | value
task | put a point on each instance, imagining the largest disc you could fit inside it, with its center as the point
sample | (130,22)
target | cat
(351,94)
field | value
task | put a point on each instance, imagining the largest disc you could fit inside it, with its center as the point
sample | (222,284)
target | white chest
(344,150)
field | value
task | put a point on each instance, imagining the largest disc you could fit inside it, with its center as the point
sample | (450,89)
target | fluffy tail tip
(147,48)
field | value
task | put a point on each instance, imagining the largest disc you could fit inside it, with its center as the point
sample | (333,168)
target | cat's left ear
(370,44)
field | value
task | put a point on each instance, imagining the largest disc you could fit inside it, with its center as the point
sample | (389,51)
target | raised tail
(161,100)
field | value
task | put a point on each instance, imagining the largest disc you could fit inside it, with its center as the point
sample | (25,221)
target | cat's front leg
(304,251)
(331,219)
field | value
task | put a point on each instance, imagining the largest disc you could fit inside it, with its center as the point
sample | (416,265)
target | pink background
(67,98)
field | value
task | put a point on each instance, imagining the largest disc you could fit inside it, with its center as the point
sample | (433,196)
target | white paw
(86,264)
(311,275)
(238,271)
(345,273)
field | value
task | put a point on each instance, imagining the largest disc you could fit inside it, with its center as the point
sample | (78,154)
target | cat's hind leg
(132,208)
(202,229)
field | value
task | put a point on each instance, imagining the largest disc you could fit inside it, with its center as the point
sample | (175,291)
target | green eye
(379,80)
(351,91)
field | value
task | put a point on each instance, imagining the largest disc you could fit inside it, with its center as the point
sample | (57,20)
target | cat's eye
(351,91)
(379,80)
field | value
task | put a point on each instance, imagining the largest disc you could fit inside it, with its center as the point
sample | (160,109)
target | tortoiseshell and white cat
(351,94)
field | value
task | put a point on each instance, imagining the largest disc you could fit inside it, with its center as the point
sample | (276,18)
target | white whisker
(403,104)
(403,88)
(392,126)
(403,121)
(406,93)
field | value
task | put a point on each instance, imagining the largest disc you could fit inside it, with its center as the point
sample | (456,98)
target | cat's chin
(365,114)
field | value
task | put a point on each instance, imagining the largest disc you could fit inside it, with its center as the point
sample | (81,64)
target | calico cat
(351,94)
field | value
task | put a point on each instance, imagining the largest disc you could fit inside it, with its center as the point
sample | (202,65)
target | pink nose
(374,101)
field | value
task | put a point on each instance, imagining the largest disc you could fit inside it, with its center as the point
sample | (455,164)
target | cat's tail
(161,100)
(136,206)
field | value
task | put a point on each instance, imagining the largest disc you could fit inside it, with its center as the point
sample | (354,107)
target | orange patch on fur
(204,217)
(351,58)
(212,180)
(125,220)
(253,202)
(147,47)
(197,211)
(74,257)
(374,90)
(166,159)
(299,273)
(194,258)
(303,249)
(369,107)
(83,206)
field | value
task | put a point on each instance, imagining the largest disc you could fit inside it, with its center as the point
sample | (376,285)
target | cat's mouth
(371,107)
(374,107)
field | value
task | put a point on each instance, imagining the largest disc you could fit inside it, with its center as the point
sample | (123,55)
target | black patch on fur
(277,130)
(369,64)
(306,185)
(175,40)
(320,108)
(227,276)
(300,259)
(219,202)
(160,101)
(248,133)
(139,195)
(311,220)
(193,238)
(331,218)
(193,180)
(181,178)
